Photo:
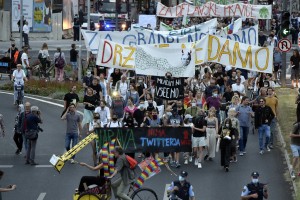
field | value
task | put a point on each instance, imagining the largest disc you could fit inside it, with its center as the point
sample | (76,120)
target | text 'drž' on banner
(160,139)
(211,9)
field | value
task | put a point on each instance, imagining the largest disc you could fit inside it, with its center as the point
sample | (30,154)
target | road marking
(6,166)
(43,166)
(41,196)
(41,100)
(165,193)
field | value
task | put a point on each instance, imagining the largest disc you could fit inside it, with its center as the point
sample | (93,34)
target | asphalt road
(42,182)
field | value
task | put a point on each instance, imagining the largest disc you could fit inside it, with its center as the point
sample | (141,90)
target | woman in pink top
(130,108)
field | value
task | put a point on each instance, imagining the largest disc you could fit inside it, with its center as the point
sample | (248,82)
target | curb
(287,158)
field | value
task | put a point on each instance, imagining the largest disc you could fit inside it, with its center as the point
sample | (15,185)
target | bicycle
(20,97)
(104,193)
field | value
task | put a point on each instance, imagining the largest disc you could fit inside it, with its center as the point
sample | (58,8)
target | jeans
(120,191)
(243,138)
(71,137)
(25,142)
(273,128)
(16,93)
(30,156)
(263,131)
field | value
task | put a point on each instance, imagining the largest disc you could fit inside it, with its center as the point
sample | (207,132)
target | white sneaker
(293,175)
(72,161)
(191,159)
(186,162)
(199,165)
(261,152)
(196,161)
(241,153)
(268,148)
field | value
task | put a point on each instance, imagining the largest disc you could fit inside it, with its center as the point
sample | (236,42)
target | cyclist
(18,77)
(181,189)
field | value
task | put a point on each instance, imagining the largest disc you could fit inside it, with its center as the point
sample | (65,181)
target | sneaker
(17,152)
(241,153)
(271,146)
(186,161)
(234,159)
(206,157)
(196,161)
(261,152)
(227,169)
(177,165)
(244,152)
(199,165)
(173,164)
(268,148)
(293,175)
(191,159)
(72,161)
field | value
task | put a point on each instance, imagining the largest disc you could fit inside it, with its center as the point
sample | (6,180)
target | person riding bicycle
(18,77)
(181,189)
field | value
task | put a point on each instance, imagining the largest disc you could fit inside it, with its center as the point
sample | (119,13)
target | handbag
(116,180)
(31,134)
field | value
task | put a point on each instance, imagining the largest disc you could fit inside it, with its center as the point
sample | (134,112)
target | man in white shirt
(25,60)
(122,86)
(104,113)
(25,34)
(239,87)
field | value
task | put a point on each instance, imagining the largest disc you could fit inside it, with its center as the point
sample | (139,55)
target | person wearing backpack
(122,167)
(60,62)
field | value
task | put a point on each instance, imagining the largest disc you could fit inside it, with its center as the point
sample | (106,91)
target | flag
(233,27)
(165,27)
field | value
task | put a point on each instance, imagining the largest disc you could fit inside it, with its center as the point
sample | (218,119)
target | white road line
(165,193)
(43,166)
(41,196)
(6,166)
(41,100)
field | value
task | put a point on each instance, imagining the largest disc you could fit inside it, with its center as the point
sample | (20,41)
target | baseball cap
(34,108)
(255,174)
(183,173)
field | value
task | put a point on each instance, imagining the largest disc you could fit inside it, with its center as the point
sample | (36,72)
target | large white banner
(180,59)
(144,36)
(247,36)
(211,9)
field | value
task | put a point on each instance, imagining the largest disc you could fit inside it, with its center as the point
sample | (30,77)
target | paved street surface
(43,182)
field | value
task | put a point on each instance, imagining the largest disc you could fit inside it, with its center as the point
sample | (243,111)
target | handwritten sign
(211,9)
(170,89)
(163,139)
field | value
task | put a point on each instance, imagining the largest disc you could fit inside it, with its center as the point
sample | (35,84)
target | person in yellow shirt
(272,102)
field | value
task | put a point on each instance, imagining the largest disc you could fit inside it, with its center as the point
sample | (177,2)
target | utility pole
(21,24)
(283,55)
(79,55)
(88,23)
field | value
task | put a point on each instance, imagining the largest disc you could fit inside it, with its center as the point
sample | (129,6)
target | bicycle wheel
(88,196)
(144,194)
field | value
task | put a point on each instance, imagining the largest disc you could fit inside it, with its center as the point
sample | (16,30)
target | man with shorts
(198,140)
(295,147)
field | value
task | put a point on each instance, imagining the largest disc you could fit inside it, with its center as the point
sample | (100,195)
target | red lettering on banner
(185,142)
(198,10)
(180,11)
(160,12)
(103,52)
(169,10)
(156,132)
(238,8)
(212,7)
(251,13)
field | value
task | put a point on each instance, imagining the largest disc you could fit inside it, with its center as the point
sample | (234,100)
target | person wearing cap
(32,123)
(255,189)
(181,188)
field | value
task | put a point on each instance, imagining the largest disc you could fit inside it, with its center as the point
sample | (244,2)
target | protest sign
(246,36)
(144,20)
(165,27)
(228,52)
(169,89)
(160,139)
(211,9)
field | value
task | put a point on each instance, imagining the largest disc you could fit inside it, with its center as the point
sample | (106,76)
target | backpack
(59,62)
(132,162)
(17,57)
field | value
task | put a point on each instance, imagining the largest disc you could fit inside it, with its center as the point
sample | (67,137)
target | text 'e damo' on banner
(169,89)
(228,52)
(160,139)
(111,54)
(157,60)
(211,9)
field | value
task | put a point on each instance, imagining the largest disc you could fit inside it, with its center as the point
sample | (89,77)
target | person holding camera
(31,133)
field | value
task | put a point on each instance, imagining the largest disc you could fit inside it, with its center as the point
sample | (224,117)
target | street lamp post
(21,23)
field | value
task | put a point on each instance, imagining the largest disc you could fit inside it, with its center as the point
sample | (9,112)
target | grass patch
(286,118)
(52,89)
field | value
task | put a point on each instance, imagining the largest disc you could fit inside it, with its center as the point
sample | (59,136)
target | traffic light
(285,23)
(118,6)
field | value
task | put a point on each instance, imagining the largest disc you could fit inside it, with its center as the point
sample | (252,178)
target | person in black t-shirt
(295,59)
(97,88)
(73,60)
(70,97)
(12,50)
(115,77)
(100,70)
